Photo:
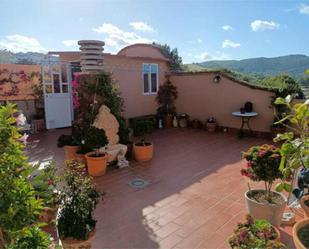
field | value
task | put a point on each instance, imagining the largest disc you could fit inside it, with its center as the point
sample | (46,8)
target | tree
(284,84)
(172,54)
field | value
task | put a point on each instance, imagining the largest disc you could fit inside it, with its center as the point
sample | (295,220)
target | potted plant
(78,200)
(70,143)
(263,165)
(258,234)
(38,120)
(301,234)
(211,124)
(196,124)
(294,155)
(143,150)
(166,97)
(96,161)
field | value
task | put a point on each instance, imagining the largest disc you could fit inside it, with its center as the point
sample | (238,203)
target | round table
(245,118)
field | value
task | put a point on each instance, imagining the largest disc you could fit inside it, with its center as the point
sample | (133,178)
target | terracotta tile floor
(194,198)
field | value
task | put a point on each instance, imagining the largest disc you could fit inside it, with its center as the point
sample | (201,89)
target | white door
(56,78)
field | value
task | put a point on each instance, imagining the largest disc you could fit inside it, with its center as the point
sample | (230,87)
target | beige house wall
(129,75)
(201,98)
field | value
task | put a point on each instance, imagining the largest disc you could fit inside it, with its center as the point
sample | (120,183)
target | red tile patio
(194,198)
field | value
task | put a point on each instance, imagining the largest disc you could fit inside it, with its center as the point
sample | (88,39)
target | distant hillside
(7,57)
(295,65)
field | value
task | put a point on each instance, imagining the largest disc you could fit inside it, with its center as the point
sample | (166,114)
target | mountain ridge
(294,64)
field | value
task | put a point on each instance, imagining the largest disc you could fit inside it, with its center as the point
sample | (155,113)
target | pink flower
(24,138)
(262,153)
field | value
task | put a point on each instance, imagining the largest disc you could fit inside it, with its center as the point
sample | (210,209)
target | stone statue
(107,121)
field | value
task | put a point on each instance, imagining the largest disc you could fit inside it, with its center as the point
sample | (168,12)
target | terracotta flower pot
(168,121)
(70,151)
(298,225)
(304,206)
(71,243)
(143,153)
(96,165)
(211,127)
(270,212)
(81,158)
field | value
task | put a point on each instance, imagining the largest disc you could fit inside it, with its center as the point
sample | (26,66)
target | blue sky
(201,30)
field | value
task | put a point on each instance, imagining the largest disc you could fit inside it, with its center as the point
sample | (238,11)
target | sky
(200,29)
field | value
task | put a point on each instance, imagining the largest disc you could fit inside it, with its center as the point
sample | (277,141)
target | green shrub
(79,198)
(30,238)
(19,207)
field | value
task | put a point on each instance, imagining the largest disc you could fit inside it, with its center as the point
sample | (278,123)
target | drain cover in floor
(138,183)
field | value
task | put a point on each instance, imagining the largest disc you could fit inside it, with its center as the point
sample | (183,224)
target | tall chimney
(91,58)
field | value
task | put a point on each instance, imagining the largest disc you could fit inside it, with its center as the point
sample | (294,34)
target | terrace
(183,188)
(193,198)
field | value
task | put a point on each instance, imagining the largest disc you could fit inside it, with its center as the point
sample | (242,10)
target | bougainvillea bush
(263,164)
(257,234)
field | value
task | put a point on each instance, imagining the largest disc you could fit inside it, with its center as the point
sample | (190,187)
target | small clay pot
(70,151)
(143,152)
(168,121)
(96,164)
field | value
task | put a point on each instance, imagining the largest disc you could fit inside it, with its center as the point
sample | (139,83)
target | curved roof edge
(122,51)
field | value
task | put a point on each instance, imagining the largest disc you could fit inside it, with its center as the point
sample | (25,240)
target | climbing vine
(9,81)
(90,92)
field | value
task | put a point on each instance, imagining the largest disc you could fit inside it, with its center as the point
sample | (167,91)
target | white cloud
(117,38)
(72,44)
(260,25)
(227,27)
(21,43)
(304,9)
(230,44)
(141,26)
(218,55)
(200,41)
(204,56)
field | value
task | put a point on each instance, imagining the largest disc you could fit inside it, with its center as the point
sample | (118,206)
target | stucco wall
(128,73)
(201,98)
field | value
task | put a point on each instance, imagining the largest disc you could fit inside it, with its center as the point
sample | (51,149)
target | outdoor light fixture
(217,79)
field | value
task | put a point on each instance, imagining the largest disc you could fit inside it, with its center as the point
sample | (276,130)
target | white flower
(21,119)
(288,99)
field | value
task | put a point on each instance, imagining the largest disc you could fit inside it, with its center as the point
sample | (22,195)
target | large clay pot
(168,121)
(71,243)
(298,225)
(304,206)
(272,213)
(96,165)
(143,152)
(70,151)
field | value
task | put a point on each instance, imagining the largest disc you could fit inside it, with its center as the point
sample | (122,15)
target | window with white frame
(150,78)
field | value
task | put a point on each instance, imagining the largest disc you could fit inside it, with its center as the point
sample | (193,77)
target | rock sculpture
(106,120)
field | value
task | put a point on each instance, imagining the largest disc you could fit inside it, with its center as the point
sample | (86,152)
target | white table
(245,118)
